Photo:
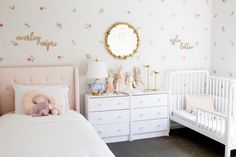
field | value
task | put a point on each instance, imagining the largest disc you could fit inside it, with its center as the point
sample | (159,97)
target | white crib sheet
(214,125)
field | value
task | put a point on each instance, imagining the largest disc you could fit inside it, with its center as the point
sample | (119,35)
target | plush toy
(109,87)
(120,86)
(129,82)
(41,106)
(36,104)
(137,83)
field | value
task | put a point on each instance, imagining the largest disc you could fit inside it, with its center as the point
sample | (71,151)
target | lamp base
(97,94)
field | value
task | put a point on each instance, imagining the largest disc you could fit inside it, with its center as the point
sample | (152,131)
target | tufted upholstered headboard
(42,75)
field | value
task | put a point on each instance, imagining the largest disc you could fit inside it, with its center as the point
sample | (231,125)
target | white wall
(83,24)
(223,60)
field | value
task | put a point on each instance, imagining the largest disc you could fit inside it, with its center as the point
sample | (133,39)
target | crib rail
(212,122)
(219,88)
(186,82)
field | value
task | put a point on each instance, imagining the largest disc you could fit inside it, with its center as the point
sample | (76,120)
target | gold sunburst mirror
(122,40)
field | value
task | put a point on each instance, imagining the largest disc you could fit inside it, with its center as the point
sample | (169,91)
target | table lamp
(97,70)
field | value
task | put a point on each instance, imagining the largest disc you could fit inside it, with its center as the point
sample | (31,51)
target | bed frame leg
(227,151)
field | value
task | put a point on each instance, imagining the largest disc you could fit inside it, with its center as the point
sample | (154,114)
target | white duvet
(68,135)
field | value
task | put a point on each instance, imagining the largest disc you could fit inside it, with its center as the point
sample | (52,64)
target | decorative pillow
(202,101)
(58,92)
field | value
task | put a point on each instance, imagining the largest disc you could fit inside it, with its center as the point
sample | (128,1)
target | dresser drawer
(109,117)
(149,126)
(112,130)
(111,103)
(149,113)
(149,100)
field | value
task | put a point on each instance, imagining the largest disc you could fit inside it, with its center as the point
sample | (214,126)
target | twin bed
(49,136)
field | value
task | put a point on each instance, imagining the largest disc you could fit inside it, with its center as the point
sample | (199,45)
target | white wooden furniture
(122,118)
(219,124)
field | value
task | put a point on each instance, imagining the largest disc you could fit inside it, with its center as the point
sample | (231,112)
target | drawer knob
(99,105)
(140,115)
(158,126)
(100,118)
(118,130)
(119,117)
(99,132)
(158,113)
(140,101)
(158,100)
(118,103)
(140,128)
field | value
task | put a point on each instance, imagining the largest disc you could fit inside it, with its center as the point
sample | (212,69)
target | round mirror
(122,40)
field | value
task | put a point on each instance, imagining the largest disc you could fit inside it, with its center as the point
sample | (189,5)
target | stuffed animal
(129,82)
(109,87)
(36,103)
(137,83)
(120,86)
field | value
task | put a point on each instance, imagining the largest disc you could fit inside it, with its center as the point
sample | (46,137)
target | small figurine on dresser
(109,87)
(137,82)
(120,86)
(129,82)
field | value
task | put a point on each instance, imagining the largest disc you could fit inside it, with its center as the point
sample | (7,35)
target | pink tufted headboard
(42,75)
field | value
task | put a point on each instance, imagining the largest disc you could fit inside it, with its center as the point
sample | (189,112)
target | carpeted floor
(180,143)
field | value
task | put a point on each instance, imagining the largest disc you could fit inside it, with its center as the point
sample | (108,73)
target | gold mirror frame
(108,47)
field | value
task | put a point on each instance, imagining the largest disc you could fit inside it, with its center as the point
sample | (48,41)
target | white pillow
(59,92)
(203,101)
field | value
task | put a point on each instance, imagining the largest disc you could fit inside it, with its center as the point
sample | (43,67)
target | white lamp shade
(97,70)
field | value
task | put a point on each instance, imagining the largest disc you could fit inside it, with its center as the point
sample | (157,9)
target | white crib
(219,124)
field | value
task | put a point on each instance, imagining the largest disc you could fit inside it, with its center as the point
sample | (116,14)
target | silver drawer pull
(158,113)
(100,118)
(118,130)
(158,100)
(140,115)
(119,117)
(141,101)
(158,126)
(118,103)
(99,132)
(140,128)
(99,105)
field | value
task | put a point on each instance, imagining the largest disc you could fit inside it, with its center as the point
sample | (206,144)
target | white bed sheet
(68,135)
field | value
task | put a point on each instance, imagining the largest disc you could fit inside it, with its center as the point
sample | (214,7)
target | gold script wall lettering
(182,45)
(38,40)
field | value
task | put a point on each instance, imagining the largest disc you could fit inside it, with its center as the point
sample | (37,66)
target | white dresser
(122,118)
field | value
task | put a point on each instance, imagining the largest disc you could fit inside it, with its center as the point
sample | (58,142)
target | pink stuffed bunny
(41,106)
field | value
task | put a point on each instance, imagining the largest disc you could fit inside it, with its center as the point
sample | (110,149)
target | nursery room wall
(224,38)
(76,30)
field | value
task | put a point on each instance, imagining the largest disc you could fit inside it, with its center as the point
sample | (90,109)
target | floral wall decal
(1,59)
(30,58)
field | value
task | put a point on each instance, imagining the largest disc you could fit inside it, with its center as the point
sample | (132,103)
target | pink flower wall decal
(101,41)
(215,15)
(230,74)
(73,42)
(128,12)
(232,43)
(42,8)
(30,58)
(88,26)
(232,13)
(162,28)
(88,56)
(1,25)
(27,25)
(1,59)
(222,58)
(59,25)
(14,43)
(223,29)
(196,15)
(59,57)
(12,7)
(74,10)
(100,11)
(214,71)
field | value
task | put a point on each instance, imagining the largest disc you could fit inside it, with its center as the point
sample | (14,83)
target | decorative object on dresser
(109,87)
(126,118)
(97,70)
(137,81)
(120,85)
(148,67)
